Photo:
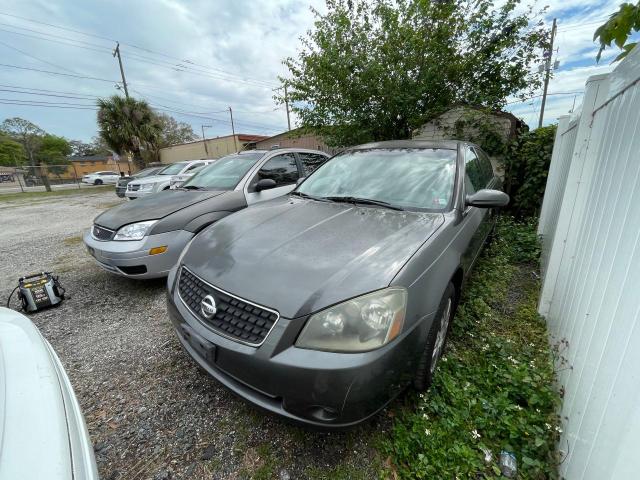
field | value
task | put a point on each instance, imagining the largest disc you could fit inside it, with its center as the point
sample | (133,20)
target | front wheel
(97,182)
(436,340)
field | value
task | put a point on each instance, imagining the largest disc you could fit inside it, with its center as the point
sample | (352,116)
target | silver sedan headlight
(360,324)
(134,231)
(147,187)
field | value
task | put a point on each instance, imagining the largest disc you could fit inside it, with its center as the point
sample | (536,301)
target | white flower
(474,434)
(558,429)
(427,432)
(548,426)
(518,407)
(425,416)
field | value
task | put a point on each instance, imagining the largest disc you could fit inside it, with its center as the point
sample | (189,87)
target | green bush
(493,389)
(526,166)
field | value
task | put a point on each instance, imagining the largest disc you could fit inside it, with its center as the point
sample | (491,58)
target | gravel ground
(151,412)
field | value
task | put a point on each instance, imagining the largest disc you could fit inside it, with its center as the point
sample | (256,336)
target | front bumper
(314,388)
(131,258)
(137,193)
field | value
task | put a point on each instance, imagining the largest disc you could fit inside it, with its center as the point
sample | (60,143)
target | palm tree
(128,125)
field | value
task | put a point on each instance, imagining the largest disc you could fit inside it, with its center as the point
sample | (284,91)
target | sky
(194,59)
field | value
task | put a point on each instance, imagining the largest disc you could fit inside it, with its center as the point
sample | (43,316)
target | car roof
(446,144)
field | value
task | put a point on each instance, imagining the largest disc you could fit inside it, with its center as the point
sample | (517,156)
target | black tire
(424,373)
(97,181)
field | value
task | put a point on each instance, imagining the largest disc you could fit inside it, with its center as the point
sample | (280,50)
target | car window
(108,173)
(311,161)
(474,179)
(173,169)
(281,168)
(417,178)
(225,173)
(485,165)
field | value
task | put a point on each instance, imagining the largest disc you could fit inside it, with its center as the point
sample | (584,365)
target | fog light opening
(158,250)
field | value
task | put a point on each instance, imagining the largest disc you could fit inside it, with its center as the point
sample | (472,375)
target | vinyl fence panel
(591,284)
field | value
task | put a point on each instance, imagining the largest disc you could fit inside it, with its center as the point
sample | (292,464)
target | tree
(96,147)
(53,153)
(378,69)
(618,29)
(173,133)
(29,135)
(128,125)
(11,152)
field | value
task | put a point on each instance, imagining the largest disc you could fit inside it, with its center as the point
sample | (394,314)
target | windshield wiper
(365,201)
(306,195)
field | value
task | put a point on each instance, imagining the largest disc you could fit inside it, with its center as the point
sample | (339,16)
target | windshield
(409,178)
(146,172)
(223,174)
(173,169)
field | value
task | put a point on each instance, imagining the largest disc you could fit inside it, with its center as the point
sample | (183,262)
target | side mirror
(265,184)
(487,198)
(300,180)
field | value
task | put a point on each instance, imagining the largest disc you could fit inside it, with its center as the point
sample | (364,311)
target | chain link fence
(30,178)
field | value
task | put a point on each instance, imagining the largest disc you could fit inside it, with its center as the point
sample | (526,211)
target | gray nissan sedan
(323,305)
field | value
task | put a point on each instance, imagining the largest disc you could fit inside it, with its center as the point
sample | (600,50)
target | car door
(477,220)
(281,168)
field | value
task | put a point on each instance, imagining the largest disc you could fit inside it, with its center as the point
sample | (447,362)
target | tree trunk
(42,175)
(39,172)
(138,161)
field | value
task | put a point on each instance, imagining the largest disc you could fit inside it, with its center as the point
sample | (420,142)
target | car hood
(299,256)
(152,207)
(152,179)
(42,432)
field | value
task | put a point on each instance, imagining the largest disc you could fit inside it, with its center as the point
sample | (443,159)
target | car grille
(101,233)
(133,187)
(235,318)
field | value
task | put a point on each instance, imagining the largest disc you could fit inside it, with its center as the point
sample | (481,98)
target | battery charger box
(39,291)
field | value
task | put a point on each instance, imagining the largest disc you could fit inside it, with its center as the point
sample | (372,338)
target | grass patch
(9,197)
(494,388)
(73,240)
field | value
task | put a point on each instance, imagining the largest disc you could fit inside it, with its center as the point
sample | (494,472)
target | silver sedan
(144,239)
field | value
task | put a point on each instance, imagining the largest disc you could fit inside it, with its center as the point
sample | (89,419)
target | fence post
(18,177)
(575,189)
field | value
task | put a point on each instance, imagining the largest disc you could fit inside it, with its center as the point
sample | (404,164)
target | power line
(47,94)
(47,90)
(2,102)
(36,58)
(42,101)
(101,50)
(154,52)
(58,73)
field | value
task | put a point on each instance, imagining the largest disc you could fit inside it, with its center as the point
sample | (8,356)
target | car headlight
(147,187)
(134,231)
(357,325)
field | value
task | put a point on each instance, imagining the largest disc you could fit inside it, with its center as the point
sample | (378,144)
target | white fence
(590,225)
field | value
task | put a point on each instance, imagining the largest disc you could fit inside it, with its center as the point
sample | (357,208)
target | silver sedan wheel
(442,335)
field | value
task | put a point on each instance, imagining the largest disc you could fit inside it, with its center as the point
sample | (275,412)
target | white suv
(99,178)
(161,181)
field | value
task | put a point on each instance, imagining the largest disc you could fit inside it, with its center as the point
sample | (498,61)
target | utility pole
(124,80)
(547,73)
(204,140)
(233,130)
(286,103)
